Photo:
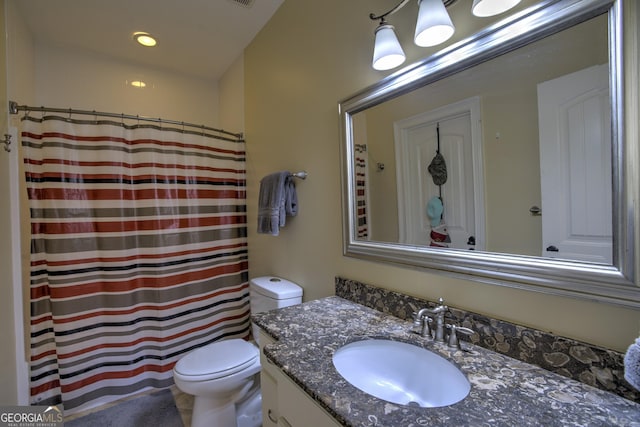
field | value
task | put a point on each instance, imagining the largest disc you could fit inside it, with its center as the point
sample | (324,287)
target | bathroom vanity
(301,386)
(283,402)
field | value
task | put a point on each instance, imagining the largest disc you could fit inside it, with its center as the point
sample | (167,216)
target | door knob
(535,211)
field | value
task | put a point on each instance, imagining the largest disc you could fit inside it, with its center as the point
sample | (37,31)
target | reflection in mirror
(493,158)
(487,122)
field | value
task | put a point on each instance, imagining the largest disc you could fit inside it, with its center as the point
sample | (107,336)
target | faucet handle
(465,331)
(421,324)
(417,322)
(453,335)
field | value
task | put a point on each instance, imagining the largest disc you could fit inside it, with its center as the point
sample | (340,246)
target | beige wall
(231,98)
(296,71)
(71,78)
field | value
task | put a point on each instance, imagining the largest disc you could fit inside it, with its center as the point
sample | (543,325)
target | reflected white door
(575,166)
(416,145)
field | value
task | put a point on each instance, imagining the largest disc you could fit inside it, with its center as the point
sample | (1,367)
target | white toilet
(224,377)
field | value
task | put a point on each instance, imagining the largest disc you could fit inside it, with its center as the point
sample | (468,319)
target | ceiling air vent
(245,3)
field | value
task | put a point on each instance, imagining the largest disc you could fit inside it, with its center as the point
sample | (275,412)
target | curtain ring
(95,117)
(202,126)
(69,116)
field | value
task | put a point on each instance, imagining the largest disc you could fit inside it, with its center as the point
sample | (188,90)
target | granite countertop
(504,391)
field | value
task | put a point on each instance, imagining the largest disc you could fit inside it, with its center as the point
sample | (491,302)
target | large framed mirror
(502,158)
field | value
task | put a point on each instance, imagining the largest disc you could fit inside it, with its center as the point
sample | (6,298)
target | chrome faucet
(422,325)
(422,318)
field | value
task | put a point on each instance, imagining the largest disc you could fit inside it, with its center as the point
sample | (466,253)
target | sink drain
(414,404)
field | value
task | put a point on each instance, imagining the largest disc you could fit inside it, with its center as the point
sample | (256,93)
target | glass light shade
(483,8)
(434,24)
(387,52)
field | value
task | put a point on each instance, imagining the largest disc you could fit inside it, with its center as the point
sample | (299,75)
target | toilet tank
(268,293)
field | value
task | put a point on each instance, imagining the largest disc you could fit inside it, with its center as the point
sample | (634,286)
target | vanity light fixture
(433,27)
(484,8)
(387,52)
(145,39)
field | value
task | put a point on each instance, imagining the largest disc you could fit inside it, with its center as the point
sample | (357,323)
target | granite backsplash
(595,366)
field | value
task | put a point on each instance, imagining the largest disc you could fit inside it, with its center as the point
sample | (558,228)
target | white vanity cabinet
(268,385)
(284,404)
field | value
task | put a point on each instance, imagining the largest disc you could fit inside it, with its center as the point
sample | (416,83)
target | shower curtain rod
(14,108)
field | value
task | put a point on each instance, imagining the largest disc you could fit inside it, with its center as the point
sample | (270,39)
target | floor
(184,403)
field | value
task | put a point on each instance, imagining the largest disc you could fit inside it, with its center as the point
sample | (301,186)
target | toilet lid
(218,359)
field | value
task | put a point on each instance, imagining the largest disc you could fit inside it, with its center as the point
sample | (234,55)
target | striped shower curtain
(361,166)
(138,254)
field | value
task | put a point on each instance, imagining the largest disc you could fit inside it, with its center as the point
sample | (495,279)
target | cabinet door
(269,386)
(284,404)
(299,410)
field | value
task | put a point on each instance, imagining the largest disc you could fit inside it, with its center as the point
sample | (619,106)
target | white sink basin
(401,373)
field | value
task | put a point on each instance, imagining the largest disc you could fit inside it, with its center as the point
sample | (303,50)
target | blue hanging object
(434,211)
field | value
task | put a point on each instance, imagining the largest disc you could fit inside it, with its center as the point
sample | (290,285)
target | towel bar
(301,175)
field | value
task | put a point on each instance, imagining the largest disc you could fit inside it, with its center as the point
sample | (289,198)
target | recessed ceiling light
(145,39)
(138,83)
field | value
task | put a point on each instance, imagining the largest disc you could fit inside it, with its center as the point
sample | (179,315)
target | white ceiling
(196,37)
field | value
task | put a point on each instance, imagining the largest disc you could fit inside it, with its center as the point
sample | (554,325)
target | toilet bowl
(224,377)
(221,376)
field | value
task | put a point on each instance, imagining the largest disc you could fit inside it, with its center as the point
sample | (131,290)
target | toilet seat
(217,360)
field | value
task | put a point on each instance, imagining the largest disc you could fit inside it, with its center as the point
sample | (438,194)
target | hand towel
(290,197)
(632,364)
(277,199)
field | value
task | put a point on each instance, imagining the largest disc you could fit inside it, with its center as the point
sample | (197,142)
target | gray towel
(290,197)
(632,364)
(277,200)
